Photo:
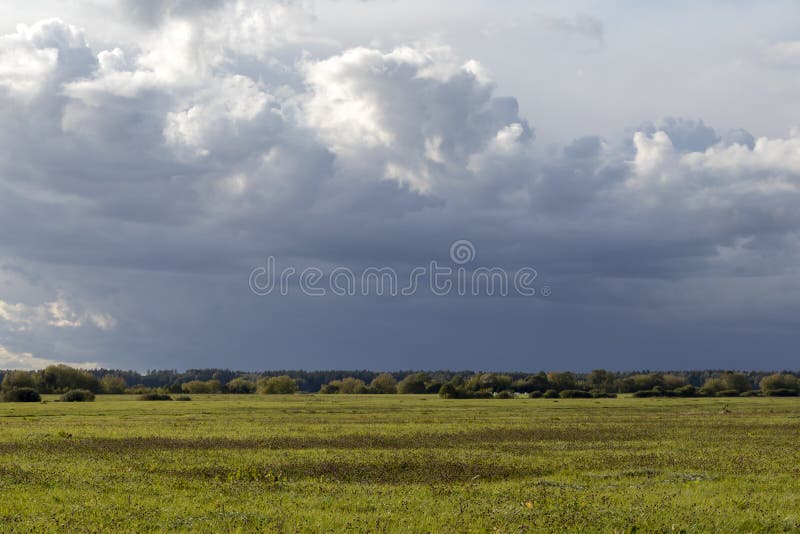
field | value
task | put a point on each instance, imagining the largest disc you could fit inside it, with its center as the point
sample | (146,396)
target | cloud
(224,135)
(784,54)
(25,361)
(412,114)
(58,313)
(40,54)
(585,25)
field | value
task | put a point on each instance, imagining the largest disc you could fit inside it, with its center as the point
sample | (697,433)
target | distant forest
(471,384)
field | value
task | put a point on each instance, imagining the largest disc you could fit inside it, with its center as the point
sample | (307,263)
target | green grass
(400,463)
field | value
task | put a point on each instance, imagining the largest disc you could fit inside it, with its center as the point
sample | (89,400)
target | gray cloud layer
(140,183)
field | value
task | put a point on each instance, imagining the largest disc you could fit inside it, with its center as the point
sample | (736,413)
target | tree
(352,386)
(277,385)
(113,384)
(412,384)
(489,381)
(727,381)
(671,382)
(384,383)
(198,386)
(737,381)
(601,379)
(240,385)
(62,378)
(448,391)
(561,381)
(20,379)
(778,381)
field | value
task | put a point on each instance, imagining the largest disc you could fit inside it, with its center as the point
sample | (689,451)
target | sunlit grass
(409,463)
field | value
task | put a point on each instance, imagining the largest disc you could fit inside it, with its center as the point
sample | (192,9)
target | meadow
(409,463)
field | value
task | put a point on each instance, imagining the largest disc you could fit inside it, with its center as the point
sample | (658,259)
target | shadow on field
(438,440)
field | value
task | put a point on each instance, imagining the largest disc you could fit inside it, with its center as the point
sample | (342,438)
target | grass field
(401,463)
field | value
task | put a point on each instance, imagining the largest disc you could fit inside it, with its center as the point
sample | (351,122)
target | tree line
(454,384)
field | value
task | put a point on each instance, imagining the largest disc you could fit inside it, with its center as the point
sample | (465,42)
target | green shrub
(727,381)
(535,395)
(491,381)
(728,393)
(751,393)
(62,378)
(20,379)
(77,395)
(113,384)
(183,398)
(240,386)
(413,384)
(575,394)
(384,383)
(448,391)
(155,397)
(505,394)
(348,386)
(550,394)
(779,382)
(278,385)
(21,395)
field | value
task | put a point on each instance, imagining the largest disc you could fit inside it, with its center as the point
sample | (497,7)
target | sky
(639,163)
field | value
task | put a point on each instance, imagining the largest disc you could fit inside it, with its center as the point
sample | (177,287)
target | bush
(183,398)
(384,383)
(780,382)
(240,386)
(347,386)
(575,394)
(278,385)
(21,395)
(155,397)
(413,384)
(550,394)
(448,391)
(645,393)
(505,394)
(781,392)
(62,378)
(329,389)
(113,384)
(490,381)
(728,393)
(535,395)
(601,394)
(77,395)
(20,379)
(751,393)
(727,381)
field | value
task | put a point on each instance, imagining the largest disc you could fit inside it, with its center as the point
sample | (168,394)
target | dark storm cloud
(141,184)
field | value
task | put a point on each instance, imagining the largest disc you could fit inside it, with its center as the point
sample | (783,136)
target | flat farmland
(409,463)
